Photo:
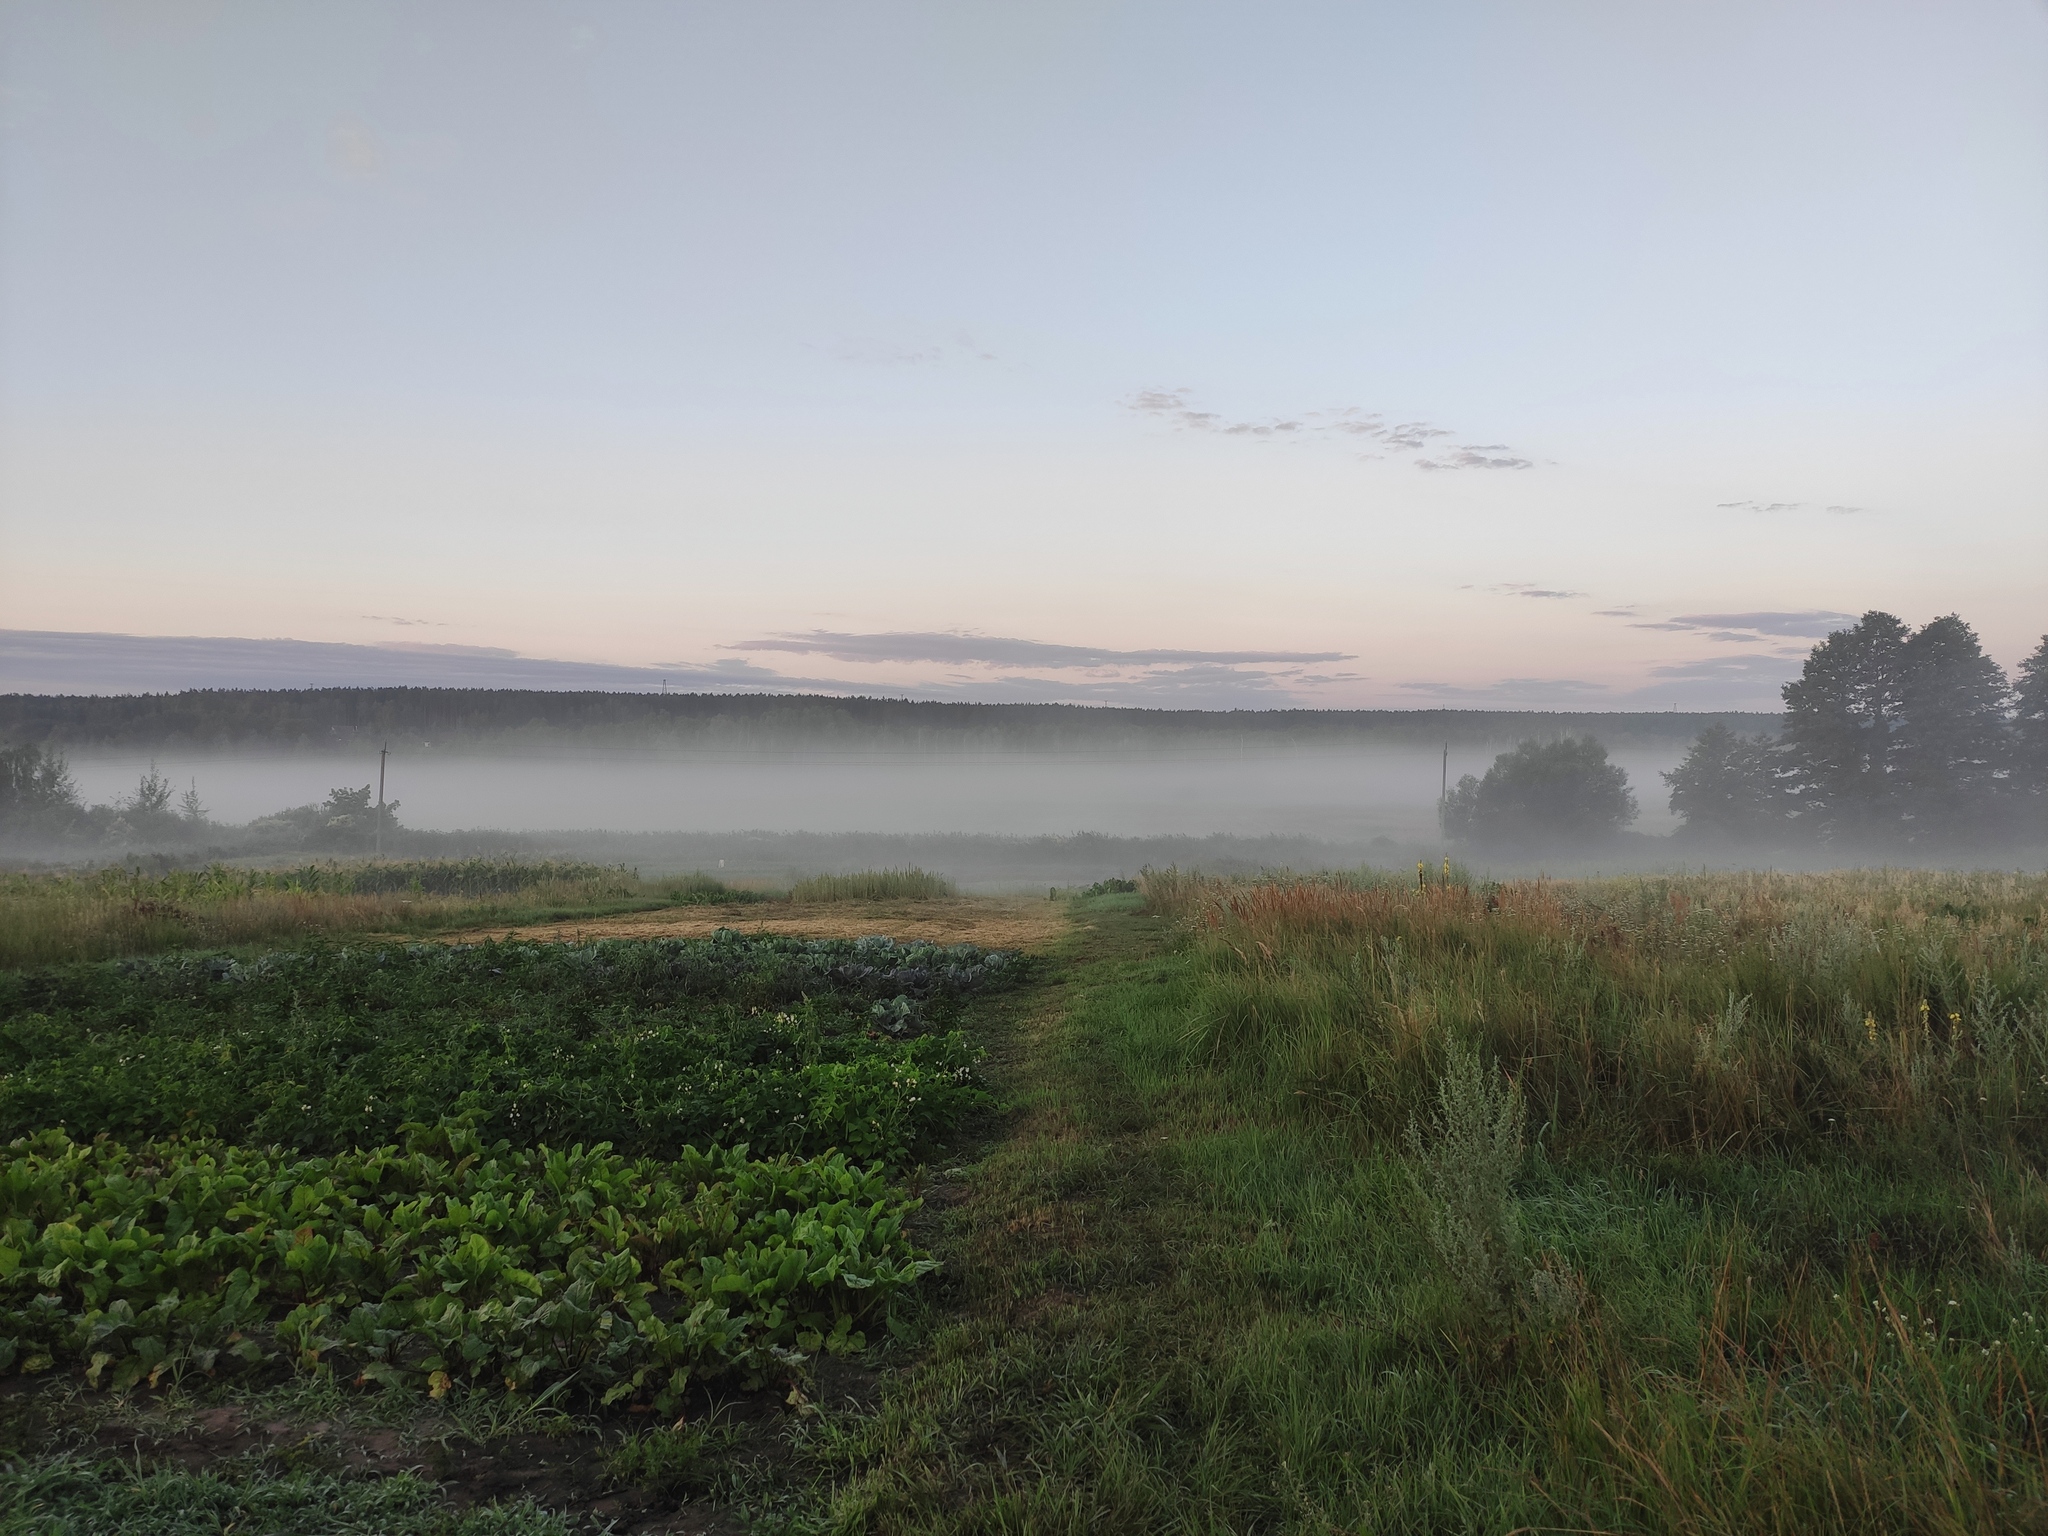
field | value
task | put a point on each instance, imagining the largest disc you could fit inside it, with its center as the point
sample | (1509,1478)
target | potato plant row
(440,1263)
(789,1045)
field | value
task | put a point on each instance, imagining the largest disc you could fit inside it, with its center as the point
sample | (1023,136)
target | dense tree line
(315,719)
(1892,737)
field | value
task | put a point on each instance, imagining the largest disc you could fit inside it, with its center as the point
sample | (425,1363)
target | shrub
(697,889)
(1464,1166)
(1111,888)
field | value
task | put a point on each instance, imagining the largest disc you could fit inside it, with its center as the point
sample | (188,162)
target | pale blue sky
(643,334)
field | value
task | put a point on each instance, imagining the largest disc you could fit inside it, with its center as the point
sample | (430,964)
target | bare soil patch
(993,922)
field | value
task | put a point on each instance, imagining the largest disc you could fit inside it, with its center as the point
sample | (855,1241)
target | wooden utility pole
(382,753)
(1444,792)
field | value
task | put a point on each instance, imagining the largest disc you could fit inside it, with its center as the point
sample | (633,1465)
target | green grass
(1208,1284)
(874,885)
(71,1496)
(698,889)
(1707,1205)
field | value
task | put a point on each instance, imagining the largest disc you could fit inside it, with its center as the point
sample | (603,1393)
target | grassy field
(1347,1204)
(46,918)
(99,914)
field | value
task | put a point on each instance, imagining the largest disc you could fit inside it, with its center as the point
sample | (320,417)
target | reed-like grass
(874,885)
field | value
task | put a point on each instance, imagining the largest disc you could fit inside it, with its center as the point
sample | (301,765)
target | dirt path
(994,922)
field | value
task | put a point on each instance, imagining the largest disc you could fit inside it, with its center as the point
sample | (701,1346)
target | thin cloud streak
(1813,624)
(1771,507)
(996,650)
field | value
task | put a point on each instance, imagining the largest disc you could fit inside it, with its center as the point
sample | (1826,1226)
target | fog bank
(1345,795)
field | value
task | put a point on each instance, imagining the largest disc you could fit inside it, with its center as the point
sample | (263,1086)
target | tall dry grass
(875,885)
(1836,1083)
(1720,1011)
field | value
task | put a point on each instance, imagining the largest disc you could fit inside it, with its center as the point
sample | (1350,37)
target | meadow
(57,915)
(1355,1202)
(1704,1204)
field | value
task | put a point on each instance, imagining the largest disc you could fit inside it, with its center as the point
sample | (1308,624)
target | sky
(1575,355)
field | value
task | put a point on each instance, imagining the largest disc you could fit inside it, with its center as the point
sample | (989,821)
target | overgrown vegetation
(1775,1254)
(1620,1206)
(874,885)
(40,806)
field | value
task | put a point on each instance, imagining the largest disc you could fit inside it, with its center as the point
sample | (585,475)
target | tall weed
(1464,1165)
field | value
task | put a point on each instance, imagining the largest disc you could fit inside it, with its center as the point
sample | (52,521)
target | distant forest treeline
(314,719)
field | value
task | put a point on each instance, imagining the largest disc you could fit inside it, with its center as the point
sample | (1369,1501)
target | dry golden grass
(993,922)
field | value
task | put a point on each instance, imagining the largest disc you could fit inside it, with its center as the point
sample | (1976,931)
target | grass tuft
(875,885)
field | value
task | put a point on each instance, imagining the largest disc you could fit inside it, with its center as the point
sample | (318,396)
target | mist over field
(1946,766)
(1347,795)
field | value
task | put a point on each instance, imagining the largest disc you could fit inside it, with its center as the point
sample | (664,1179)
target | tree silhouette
(1542,794)
(1951,751)
(1735,788)
(1840,719)
(2030,724)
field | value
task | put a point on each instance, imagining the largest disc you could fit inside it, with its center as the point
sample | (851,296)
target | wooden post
(382,753)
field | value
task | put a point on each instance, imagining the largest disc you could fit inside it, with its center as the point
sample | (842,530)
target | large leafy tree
(1951,751)
(1543,794)
(1735,788)
(1842,716)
